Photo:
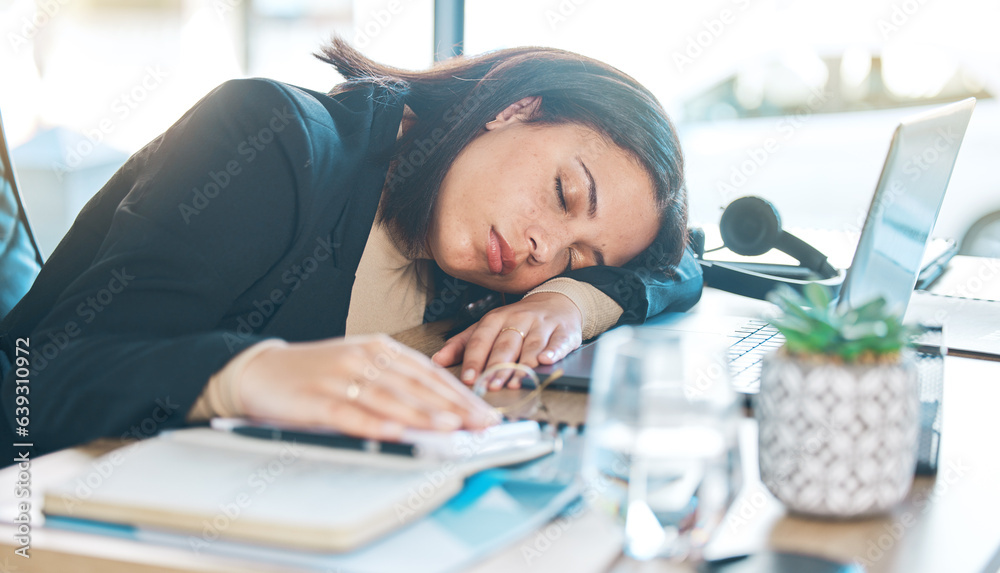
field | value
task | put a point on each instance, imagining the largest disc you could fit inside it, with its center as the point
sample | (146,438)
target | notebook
(495,508)
(888,259)
(207,484)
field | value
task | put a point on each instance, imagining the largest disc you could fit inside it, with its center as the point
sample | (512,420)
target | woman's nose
(542,244)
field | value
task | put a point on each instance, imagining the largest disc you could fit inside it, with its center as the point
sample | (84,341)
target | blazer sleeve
(643,293)
(208,208)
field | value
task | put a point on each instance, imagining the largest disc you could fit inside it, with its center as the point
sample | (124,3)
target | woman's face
(523,203)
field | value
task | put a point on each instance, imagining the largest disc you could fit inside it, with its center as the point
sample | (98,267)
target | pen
(330,440)
(414,443)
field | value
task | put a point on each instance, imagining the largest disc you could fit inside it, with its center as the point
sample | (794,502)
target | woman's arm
(553,319)
(643,292)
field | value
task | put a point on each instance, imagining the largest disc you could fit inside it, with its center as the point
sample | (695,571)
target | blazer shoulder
(255,96)
(362,120)
(264,104)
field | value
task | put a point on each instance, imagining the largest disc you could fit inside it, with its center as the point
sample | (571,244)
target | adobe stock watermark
(893,532)
(698,43)
(758,156)
(28,28)
(595,488)
(957,296)
(247,150)
(468,447)
(899,16)
(378,21)
(914,167)
(294,276)
(420,496)
(652,269)
(987,271)
(224,7)
(745,507)
(87,310)
(256,484)
(561,12)
(102,468)
(711,375)
(405,167)
(121,108)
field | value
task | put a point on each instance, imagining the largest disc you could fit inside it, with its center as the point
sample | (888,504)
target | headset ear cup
(750,226)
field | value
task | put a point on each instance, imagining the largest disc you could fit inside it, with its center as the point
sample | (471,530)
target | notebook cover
(480,521)
(276,493)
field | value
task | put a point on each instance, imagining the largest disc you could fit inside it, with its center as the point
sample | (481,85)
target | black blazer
(245,220)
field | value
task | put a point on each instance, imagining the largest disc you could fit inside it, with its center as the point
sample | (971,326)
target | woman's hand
(551,324)
(369,386)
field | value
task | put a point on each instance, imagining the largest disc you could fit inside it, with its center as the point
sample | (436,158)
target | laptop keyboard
(754,339)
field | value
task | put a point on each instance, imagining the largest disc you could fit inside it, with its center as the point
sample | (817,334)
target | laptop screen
(905,206)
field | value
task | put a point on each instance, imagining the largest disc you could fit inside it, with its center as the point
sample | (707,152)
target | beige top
(388,294)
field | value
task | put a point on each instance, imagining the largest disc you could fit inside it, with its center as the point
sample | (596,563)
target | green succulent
(812,326)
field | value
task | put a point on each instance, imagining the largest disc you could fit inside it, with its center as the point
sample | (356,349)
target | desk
(945,525)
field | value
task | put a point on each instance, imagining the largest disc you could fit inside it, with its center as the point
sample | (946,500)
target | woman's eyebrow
(592,210)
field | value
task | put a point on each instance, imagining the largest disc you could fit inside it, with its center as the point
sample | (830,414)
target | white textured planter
(837,440)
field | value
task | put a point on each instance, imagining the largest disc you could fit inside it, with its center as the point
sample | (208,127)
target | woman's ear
(519,111)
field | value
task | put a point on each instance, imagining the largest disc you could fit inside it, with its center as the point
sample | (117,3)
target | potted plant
(838,407)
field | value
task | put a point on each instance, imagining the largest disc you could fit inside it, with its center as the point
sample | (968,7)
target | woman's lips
(493,257)
(499,254)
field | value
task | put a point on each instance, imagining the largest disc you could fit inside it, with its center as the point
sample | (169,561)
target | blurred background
(792,100)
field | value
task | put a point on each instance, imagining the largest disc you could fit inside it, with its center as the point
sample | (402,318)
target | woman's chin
(505,287)
(508,284)
(489,281)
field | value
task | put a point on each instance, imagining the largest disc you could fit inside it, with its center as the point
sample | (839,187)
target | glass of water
(661,453)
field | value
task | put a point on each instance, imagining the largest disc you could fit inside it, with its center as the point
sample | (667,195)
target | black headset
(751,226)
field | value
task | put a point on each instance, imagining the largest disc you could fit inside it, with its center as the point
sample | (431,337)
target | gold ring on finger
(514,329)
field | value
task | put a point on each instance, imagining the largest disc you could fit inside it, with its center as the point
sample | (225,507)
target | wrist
(559,298)
(250,366)
(598,312)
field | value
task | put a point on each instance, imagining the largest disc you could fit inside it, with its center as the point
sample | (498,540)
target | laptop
(887,262)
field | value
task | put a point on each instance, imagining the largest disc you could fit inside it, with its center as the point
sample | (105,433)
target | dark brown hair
(454,100)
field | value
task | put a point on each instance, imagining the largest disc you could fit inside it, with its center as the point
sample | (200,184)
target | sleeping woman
(251,260)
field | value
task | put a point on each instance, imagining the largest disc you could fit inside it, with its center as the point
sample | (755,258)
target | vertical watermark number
(22,446)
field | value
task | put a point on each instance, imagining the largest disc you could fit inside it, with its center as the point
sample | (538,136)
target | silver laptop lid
(905,206)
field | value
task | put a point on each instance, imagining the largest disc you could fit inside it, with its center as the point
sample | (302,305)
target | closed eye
(562,203)
(559,194)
